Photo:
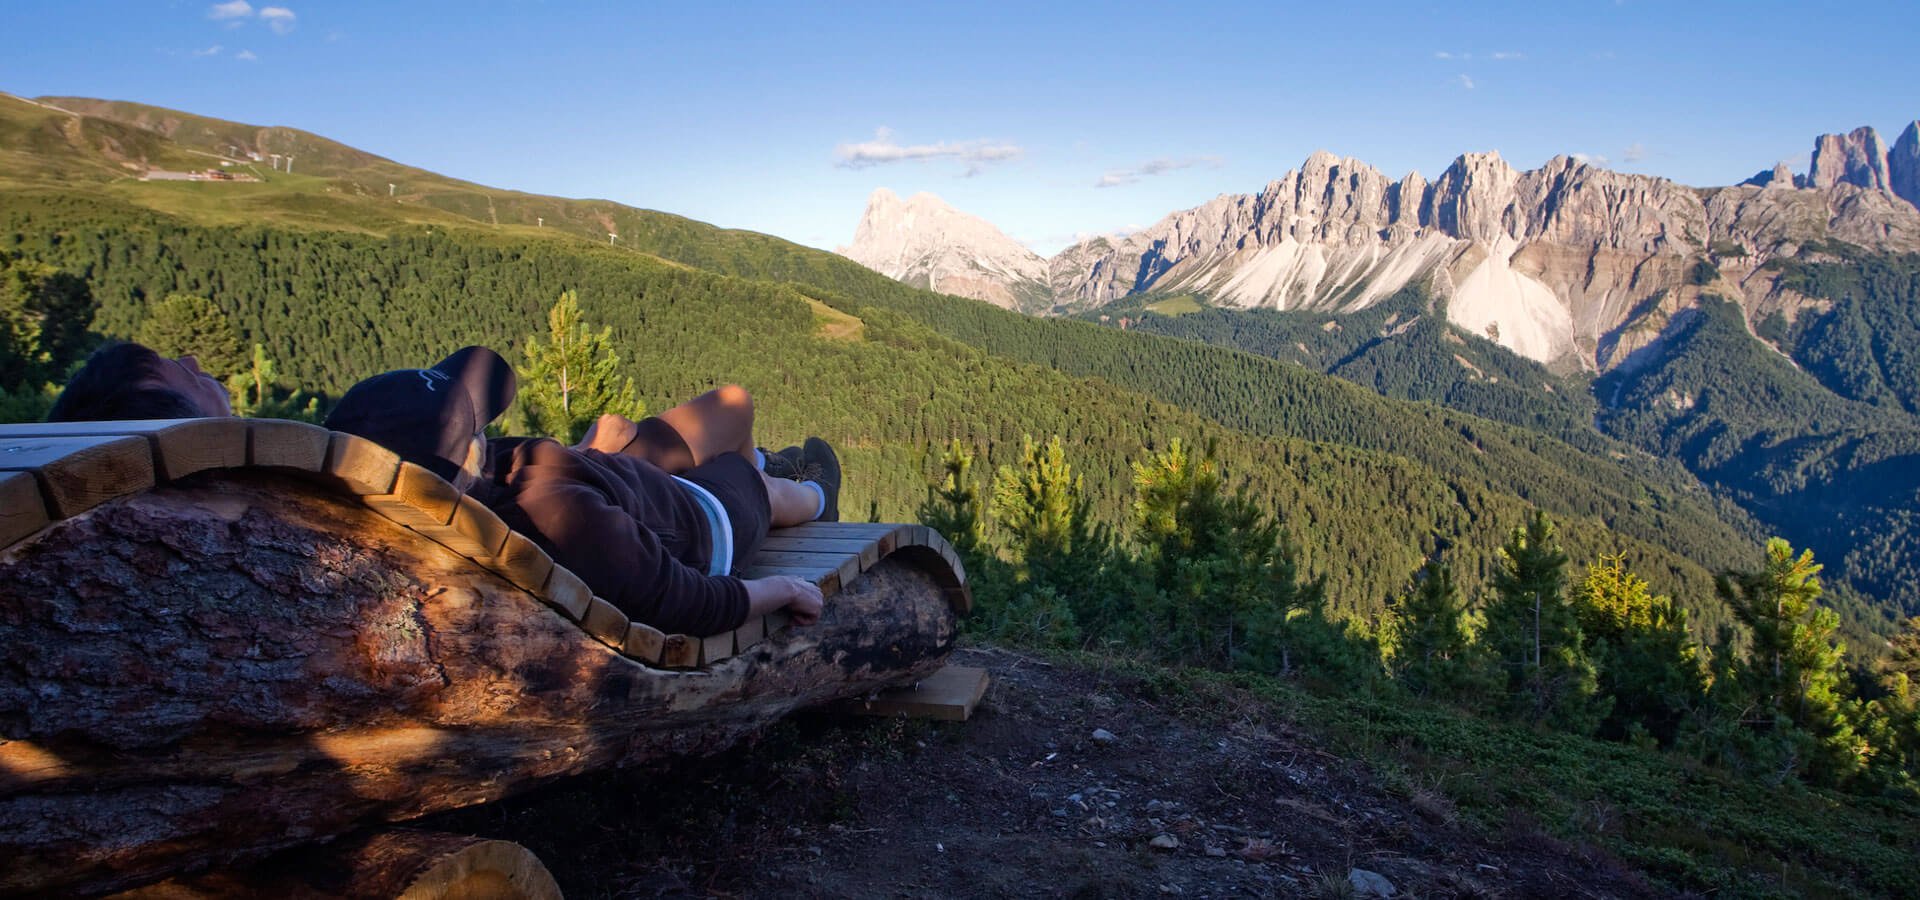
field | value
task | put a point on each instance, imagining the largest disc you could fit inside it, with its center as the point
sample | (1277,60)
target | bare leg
(792,503)
(713,423)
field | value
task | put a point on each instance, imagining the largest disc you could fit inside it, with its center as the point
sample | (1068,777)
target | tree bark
(241,662)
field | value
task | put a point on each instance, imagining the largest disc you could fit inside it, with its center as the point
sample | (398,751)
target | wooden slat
(474,531)
(777,621)
(79,473)
(797,559)
(419,500)
(522,562)
(749,634)
(281,444)
(828,579)
(364,466)
(22,511)
(866,549)
(949,695)
(645,643)
(679,651)
(606,622)
(842,530)
(567,593)
(716,648)
(181,446)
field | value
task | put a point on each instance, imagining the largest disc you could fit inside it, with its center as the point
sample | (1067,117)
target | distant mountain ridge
(1568,264)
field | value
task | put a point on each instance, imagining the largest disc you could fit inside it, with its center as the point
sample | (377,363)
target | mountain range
(1570,264)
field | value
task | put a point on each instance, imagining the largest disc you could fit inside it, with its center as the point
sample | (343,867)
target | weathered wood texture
(391,864)
(243,661)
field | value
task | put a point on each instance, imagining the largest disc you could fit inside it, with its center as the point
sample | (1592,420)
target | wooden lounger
(227,636)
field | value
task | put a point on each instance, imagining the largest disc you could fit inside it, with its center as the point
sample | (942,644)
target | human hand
(801,598)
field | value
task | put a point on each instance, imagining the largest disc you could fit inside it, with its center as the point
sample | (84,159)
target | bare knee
(734,396)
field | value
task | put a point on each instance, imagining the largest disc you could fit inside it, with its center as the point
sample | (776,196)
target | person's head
(128,381)
(433,417)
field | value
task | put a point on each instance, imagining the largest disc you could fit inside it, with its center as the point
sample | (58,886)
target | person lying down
(655,515)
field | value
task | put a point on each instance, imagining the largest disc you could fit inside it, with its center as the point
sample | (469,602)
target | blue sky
(1050,120)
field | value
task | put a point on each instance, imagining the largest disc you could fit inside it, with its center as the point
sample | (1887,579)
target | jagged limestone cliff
(1569,263)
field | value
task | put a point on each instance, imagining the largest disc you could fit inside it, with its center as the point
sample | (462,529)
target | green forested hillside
(1401,347)
(1840,475)
(332,306)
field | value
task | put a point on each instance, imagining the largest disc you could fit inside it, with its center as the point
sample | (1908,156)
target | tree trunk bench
(224,637)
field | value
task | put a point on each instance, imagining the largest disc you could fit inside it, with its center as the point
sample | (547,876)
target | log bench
(225,637)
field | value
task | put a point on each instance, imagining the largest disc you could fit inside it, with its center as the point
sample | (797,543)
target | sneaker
(784,464)
(820,465)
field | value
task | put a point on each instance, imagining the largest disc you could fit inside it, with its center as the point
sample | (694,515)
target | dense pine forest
(1435,540)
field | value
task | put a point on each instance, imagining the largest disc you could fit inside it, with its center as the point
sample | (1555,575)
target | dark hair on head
(110,388)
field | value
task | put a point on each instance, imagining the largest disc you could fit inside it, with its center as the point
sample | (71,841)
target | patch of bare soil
(1066,783)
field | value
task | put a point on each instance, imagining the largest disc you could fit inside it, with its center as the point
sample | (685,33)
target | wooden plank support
(716,647)
(419,500)
(79,473)
(475,531)
(181,447)
(679,651)
(281,444)
(522,562)
(749,634)
(566,592)
(607,623)
(645,643)
(22,511)
(366,468)
(949,695)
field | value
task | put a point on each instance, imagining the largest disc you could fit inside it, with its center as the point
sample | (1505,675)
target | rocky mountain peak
(1858,158)
(927,243)
(1471,199)
(1570,263)
(1903,164)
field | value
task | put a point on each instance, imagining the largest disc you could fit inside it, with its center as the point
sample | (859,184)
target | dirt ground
(1066,783)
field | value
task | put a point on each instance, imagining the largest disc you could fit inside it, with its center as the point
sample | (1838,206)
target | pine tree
(1648,663)
(1794,670)
(1431,642)
(572,376)
(953,504)
(188,325)
(44,316)
(1225,586)
(1534,637)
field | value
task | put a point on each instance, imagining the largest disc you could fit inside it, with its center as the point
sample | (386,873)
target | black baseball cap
(429,416)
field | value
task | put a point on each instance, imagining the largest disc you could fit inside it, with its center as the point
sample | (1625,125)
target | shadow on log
(242,661)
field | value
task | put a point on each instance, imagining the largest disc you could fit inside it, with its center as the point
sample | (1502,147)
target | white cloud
(1152,167)
(1501,55)
(278,18)
(1465,82)
(883,149)
(246,56)
(210,51)
(1592,159)
(1635,152)
(236,9)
